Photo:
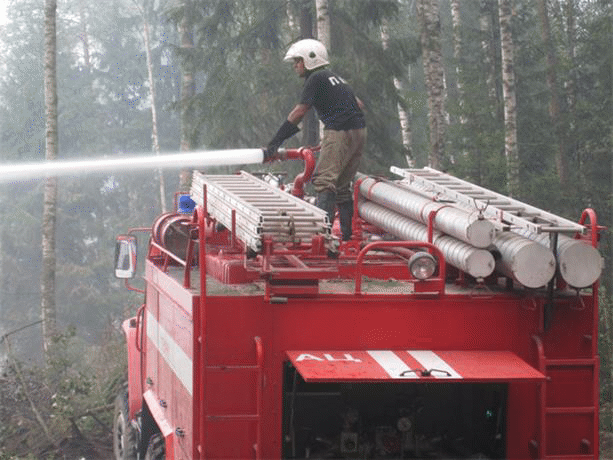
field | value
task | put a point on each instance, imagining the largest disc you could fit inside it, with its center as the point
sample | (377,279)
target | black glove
(286,131)
(270,152)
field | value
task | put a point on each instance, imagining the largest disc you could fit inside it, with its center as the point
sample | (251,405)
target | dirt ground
(90,449)
(74,447)
(24,439)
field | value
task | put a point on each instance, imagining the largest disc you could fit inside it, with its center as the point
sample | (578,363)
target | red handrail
(440,279)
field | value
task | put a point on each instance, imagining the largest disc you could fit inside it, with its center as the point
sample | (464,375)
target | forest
(514,95)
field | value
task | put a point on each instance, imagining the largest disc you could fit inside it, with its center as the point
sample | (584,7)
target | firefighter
(344,129)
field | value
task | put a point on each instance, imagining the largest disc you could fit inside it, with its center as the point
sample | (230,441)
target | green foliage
(238,102)
(78,383)
(369,68)
(245,90)
(22,112)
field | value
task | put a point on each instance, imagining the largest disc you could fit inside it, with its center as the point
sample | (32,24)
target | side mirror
(125,257)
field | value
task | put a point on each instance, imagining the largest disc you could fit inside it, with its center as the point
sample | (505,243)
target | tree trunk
(310,125)
(403,116)
(292,18)
(84,36)
(510,104)
(486,29)
(187,90)
(554,96)
(323,35)
(430,25)
(571,85)
(48,307)
(306,20)
(571,32)
(456,19)
(154,118)
(323,22)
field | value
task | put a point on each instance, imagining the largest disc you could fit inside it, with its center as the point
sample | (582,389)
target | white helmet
(313,53)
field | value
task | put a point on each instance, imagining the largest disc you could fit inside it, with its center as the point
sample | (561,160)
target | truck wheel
(156,449)
(125,443)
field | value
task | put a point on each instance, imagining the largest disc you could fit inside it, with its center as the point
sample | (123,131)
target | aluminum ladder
(504,212)
(252,209)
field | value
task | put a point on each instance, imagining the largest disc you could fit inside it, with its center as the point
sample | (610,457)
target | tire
(125,442)
(156,450)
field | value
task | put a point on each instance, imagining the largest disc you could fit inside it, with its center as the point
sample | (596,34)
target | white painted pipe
(580,264)
(528,262)
(18,172)
(478,263)
(459,223)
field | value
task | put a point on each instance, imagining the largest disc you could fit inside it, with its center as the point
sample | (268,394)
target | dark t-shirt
(334,101)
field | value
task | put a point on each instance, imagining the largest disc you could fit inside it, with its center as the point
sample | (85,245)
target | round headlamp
(422,265)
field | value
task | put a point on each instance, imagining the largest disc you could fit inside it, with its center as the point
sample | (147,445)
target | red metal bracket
(539,444)
(431,217)
(595,229)
(259,351)
(307,155)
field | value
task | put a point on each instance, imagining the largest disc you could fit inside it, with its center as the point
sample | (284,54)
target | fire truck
(455,323)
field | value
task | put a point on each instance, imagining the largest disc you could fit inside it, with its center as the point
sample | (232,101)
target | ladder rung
(559,229)
(499,202)
(464,188)
(491,200)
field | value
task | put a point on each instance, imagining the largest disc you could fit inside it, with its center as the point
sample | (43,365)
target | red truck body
(297,352)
